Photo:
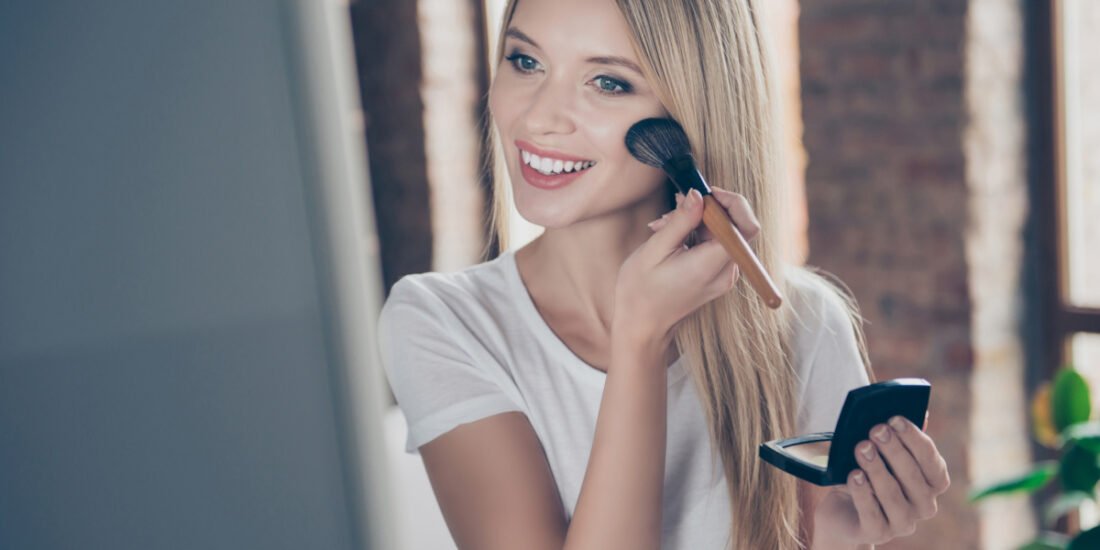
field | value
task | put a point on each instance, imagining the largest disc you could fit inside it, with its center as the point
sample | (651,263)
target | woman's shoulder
(827,346)
(821,308)
(476,287)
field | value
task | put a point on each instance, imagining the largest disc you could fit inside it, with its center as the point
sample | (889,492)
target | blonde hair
(708,62)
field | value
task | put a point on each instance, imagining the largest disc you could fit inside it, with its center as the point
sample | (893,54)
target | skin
(561,104)
(600,278)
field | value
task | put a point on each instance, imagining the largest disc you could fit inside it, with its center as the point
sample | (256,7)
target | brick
(892,194)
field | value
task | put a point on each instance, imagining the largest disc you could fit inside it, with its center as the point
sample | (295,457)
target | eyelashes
(606,85)
(623,87)
(515,57)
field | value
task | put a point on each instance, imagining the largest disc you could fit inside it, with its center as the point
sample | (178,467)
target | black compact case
(863,409)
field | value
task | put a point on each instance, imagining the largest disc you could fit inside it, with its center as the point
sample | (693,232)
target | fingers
(678,224)
(906,471)
(923,450)
(871,518)
(711,266)
(739,210)
(725,280)
(899,514)
(708,256)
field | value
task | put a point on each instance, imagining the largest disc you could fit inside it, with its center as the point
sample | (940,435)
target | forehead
(574,27)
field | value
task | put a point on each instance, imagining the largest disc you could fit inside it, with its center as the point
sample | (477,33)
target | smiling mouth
(552,167)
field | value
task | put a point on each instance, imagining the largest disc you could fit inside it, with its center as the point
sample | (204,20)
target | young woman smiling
(548,389)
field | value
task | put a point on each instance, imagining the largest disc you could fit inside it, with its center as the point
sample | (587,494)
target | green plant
(1061,412)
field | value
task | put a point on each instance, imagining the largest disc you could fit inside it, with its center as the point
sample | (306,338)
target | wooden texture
(719,223)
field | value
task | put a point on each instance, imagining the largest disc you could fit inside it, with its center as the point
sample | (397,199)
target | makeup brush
(661,142)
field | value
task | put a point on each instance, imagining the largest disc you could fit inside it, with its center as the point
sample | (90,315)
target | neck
(577,266)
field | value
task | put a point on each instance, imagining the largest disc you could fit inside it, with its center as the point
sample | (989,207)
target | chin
(549,216)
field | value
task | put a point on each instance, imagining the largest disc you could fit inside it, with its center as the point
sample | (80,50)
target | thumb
(670,237)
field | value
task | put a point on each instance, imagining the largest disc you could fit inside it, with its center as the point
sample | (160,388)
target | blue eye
(522,63)
(611,86)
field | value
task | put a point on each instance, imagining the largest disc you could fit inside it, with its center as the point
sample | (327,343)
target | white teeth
(553,166)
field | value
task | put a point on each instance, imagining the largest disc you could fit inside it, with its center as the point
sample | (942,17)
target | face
(567,90)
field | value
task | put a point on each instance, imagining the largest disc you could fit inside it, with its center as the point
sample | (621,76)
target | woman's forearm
(620,501)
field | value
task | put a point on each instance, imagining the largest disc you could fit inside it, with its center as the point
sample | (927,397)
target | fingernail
(898,423)
(652,223)
(858,478)
(695,196)
(881,433)
(867,450)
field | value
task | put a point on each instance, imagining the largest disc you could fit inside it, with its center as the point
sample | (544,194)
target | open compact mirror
(826,458)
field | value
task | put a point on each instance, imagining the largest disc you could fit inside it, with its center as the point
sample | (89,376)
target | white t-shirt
(461,346)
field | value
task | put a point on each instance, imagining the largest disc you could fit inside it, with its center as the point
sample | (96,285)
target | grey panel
(164,381)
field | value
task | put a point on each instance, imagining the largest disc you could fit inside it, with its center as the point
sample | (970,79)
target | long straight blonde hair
(708,62)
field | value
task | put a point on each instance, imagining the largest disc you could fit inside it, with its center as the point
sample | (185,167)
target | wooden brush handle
(718,221)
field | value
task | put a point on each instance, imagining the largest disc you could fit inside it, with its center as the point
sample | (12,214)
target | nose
(551,110)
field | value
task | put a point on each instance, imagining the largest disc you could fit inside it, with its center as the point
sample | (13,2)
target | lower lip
(543,181)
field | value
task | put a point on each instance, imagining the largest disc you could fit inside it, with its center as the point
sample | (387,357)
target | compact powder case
(826,458)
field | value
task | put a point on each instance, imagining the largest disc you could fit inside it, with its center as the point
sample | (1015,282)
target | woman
(547,389)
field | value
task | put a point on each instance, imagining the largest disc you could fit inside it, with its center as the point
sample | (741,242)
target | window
(1075,173)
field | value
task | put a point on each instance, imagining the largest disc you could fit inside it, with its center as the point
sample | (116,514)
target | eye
(522,63)
(611,86)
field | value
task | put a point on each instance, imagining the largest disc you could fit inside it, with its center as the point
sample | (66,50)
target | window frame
(1063,319)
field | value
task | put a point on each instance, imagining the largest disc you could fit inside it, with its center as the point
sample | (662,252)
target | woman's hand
(664,280)
(876,505)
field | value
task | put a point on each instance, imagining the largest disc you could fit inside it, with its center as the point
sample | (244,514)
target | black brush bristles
(655,141)
(662,143)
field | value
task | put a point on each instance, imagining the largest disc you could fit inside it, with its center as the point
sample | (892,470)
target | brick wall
(387,54)
(915,186)
(452,91)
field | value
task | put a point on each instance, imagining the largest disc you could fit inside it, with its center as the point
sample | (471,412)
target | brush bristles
(655,141)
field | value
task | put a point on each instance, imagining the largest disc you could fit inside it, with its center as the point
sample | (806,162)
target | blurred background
(203,205)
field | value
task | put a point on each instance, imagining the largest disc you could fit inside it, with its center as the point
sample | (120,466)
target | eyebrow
(599,60)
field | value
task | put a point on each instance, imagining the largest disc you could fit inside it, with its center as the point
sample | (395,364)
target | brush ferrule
(685,175)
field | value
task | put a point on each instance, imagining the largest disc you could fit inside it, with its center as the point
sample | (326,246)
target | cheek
(502,102)
(641,180)
(607,127)
(609,131)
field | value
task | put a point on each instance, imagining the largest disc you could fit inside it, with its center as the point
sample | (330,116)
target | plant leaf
(1086,540)
(1078,469)
(1042,419)
(1049,541)
(1028,482)
(1070,400)
(1084,434)
(1063,504)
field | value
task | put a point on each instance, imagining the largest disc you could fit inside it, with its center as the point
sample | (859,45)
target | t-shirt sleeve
(830,361)
(426,357)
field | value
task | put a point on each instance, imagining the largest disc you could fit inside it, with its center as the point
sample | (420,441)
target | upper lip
(546,153)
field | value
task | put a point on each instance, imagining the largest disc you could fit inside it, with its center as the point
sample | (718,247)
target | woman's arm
(485,497)
(496,491)
(620,502)
(494,485)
